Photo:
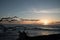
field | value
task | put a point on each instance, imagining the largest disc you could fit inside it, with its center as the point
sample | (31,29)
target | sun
(45,22)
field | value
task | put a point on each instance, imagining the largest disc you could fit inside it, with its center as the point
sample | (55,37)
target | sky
(31,9)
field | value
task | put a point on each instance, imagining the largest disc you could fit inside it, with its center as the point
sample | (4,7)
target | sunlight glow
(46,23)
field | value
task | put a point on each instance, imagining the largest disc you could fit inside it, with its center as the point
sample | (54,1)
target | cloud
(47,11)
(56,10)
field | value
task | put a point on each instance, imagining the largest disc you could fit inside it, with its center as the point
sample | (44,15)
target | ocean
(30,30)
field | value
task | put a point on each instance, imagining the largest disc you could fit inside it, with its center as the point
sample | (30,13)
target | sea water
(31,30)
